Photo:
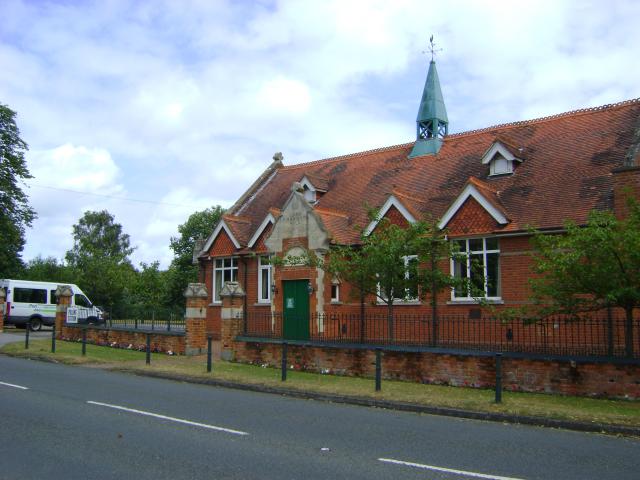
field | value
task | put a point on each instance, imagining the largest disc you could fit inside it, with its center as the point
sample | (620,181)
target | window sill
(400,303)
(335,302)
(215,304)
(262,304)
(490,301)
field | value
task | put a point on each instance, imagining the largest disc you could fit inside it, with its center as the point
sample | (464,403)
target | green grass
(619,412)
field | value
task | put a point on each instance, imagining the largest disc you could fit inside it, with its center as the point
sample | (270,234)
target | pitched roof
(566,172)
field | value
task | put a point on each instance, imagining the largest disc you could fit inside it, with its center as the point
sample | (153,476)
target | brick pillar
(3,297)
(63,294)
(231,315)
(195,318)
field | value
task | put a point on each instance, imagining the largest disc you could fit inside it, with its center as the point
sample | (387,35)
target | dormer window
(309,194)
(500,159)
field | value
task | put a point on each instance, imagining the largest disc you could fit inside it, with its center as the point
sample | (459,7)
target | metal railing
(146,319)
(595,334)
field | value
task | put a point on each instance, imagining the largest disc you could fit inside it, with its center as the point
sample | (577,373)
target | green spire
(432,122)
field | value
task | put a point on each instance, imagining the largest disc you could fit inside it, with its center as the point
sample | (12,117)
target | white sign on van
(72,315)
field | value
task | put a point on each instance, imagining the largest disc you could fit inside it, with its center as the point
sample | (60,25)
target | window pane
(477,274)
(234,275)
(52,296)
(462,245)
(334,292)
(264,294)
(460,271)
(475,244)
(29,295)
(218,287)
(227,262)
(218,262)
(492,243)
(493,277)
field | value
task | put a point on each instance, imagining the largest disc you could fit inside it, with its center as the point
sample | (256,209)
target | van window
(82,301)
(29,295)
(52,298)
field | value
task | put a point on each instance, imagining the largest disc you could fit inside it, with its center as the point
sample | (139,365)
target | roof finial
(432,48)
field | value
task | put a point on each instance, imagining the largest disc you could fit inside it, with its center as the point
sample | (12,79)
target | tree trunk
(628,332)
(390,319)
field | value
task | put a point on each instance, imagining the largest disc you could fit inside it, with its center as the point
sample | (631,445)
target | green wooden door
(296,309)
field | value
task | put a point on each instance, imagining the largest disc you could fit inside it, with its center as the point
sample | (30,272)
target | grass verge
(615,412)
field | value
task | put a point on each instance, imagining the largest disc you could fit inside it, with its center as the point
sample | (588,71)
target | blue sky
(153,110)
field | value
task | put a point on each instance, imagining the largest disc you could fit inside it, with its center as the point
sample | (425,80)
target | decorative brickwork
(222,246)
(471,219)
(232,296)
(63,294)
(395,217)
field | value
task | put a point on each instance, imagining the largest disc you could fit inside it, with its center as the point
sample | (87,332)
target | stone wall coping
(232,289)
(197,290)
(64,291)
(440,351)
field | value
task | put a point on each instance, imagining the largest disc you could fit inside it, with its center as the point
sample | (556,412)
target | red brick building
(486,186)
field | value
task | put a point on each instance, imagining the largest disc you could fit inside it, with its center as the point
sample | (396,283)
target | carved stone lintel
(64,291)
(232,289)
(198,290)
(2,295)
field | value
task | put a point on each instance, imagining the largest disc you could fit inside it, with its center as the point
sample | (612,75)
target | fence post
(284,361)
(609,333)
(498,377)
(209,354)
(53,338)
(26,335)
(84,341)
(63,294)
(378,369)
(195,318)
(3,297)
(148,360)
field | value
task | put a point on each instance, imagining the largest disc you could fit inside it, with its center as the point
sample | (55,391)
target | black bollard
(26,335)
(209,354)
(284,361)
(378,369)
(53,339)
(148,349)
(498,377)
(84,341)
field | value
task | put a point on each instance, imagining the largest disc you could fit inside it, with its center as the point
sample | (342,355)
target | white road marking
(172,419)
(14,386)
(446,470)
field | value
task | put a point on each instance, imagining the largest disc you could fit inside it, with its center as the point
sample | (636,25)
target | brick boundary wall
(195,318)
(163,342)
(565,377)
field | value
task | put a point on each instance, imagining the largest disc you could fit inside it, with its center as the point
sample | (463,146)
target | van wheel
(36,324)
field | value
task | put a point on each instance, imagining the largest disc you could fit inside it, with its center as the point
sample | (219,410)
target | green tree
(384,266)
(182,271)
(433,247)
(15,213)
(100,258)
(48,270)
(590,267)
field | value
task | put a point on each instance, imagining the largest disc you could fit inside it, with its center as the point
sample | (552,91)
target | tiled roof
(566,172)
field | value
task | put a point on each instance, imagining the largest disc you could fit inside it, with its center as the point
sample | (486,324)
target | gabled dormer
(313,187)
(500,158)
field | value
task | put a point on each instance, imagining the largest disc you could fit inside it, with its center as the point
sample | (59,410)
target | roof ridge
(348,155)
(579,111)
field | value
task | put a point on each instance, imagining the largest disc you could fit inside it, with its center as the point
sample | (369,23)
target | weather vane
(432,48)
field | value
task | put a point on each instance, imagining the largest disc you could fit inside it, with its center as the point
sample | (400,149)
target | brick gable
(260,246)
(222,246)
(471,219)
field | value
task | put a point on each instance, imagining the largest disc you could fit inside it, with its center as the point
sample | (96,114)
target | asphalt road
(61,422)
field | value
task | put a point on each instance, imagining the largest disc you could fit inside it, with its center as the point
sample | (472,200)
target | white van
(35,302)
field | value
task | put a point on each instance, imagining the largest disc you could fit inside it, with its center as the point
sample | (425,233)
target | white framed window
(478,260)
(410,294)
(335,293)
(264,280)
(224,270)
(500,165)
